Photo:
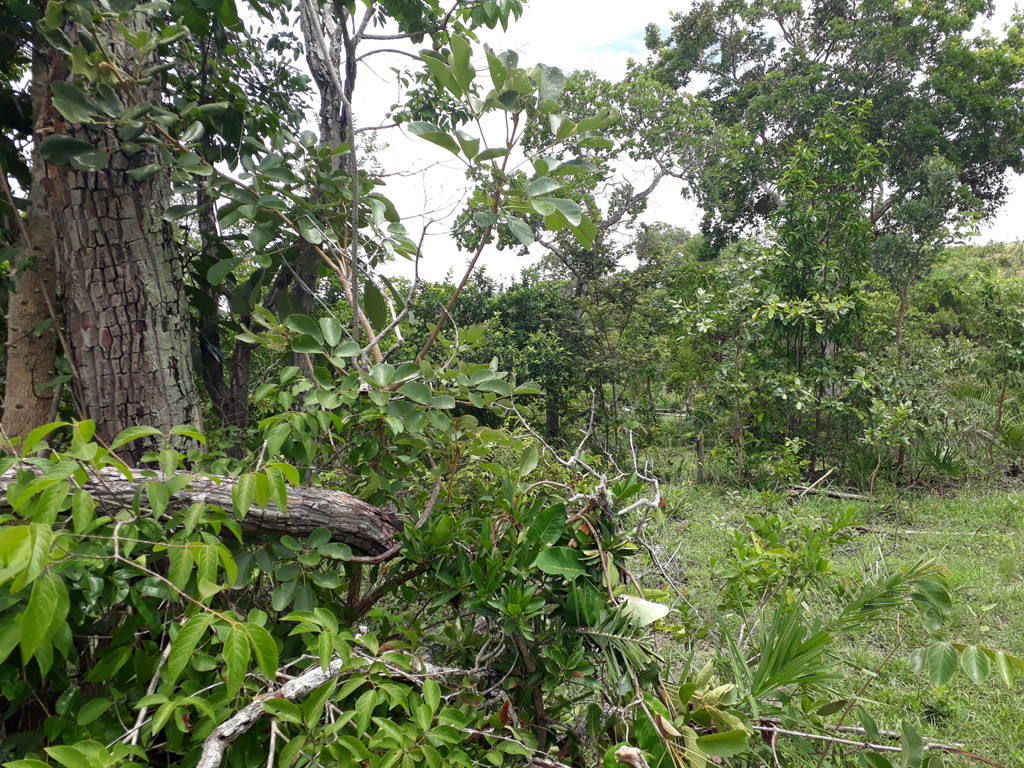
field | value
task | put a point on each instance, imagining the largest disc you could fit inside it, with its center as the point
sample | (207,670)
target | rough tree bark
(125,308)
(30,340)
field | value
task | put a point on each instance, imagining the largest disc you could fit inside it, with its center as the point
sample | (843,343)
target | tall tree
(125,309)
(773,68)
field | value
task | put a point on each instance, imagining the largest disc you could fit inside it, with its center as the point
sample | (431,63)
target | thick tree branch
(365,528)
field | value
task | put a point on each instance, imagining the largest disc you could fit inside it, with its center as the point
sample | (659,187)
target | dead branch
(365,528)
(800,490)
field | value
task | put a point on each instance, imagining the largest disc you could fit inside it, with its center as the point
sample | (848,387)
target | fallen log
(365,528)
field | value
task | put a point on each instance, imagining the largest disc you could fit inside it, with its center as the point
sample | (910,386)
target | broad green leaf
(975,663)
(724,744)
(382,374)
(491,154)
(1005,669)
(376,307)
(569,209)
(443,401)
(547,526)
(92,710)
(942,663)
(520,229)
(236,658)
(71,102)
(912,744)
(433,133)
(144,172)
(331,328)
(874,760)
(37,434)
(560,561)
(443,74)
(91,161)
(416,391)
(462,54)
(134,433)
(311,231)
(304,325)
(46,610)
(643,612)
(184,644)
(573,167)
(242,494)
(265,647)
(470,145)
(528,461)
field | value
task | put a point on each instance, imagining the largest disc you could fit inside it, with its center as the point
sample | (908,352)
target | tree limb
(365,528)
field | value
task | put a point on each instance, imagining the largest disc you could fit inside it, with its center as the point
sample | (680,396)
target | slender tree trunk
(126,312)
(552,416)
(901,455)
(31,332)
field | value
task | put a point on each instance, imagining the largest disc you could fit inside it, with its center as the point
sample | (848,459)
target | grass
(976,533)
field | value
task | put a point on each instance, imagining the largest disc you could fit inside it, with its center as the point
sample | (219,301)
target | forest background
(267,502)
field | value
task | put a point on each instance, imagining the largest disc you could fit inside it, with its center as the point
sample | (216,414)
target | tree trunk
(31,335)
(552,416)
(230,399)
(126,312)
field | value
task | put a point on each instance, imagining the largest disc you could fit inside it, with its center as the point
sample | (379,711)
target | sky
(570,34)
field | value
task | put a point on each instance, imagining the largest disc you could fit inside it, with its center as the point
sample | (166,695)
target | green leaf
(71,102)
(265,647)
(443,74)
(382,374)
(59,149)
(462,53)
(443,401)
(375,306)
(91,161)
(134,433)
(1005,669)
(470,145)
(236,658)
(433,134)
(431,694)
(569,210)
(912,744)
(288,711)
(724,744)
(560,561)
(528,461)
(519,229)
(416,391)
(942,663)
(311,231)
(144,172)
(491,154)
(643,612)
(304,325)
(573,167)
(874,760)
(331,328)
(184,644)
(92,710)
(46,610)
(242,494)
(547,526)
(975,663)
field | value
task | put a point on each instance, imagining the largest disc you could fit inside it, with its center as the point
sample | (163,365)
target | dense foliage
(264,503)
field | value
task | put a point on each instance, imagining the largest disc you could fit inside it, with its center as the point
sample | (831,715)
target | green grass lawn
(974,533)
